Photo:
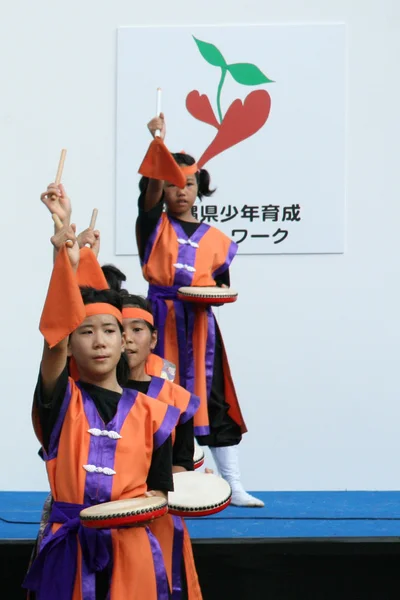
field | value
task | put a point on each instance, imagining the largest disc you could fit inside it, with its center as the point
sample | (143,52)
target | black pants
(223,429)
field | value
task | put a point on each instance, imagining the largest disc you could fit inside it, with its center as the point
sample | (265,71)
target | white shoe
(227,461)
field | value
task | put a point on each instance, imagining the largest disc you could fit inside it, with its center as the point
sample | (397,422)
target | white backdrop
(281,190)
(313,340)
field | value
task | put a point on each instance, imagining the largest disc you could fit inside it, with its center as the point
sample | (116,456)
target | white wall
(313,340)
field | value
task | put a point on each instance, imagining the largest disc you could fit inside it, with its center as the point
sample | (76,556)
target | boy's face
(97,345)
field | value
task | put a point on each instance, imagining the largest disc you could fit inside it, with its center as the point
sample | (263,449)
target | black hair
(134,301)
(114,277)
(93,296)
(202,177)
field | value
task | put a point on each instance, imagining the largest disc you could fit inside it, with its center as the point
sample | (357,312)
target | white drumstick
(158,110)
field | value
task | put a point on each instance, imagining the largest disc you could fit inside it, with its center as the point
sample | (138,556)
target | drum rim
(163,503)
(199,508)
(208,295)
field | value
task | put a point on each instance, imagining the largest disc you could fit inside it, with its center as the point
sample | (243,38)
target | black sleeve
(48,407)
(146,223)
(160,472)
(182,454)
(224,279)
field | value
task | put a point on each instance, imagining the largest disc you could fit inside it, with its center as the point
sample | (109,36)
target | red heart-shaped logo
(200,108)
(241,121)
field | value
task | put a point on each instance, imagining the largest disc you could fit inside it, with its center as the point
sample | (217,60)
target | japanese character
(291,213)
(228,213)
(243,231)
(260,235)
(270,212)
(250,212)
(194,211)
(209,212)
(281,231)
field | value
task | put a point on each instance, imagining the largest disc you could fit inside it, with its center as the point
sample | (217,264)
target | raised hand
(57,201)
(157,124)
(91,236)
(66,235)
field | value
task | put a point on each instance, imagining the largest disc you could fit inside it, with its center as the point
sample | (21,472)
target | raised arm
(155,186)
(54,359)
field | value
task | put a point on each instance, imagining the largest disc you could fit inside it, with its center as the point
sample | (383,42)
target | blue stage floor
(307,516)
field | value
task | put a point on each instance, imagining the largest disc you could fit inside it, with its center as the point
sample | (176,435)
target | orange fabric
(137,313)
(133,570)
(159,163)
(194,591)
(103,308)
(159,367)
(163,528)
(89,272)
(159,270)
(190,170)
(63,309)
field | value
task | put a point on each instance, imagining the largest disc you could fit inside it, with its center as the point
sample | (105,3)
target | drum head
(207,295)
(124,513)
(198,494)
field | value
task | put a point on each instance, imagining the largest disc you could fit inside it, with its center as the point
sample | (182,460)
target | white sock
(227,461)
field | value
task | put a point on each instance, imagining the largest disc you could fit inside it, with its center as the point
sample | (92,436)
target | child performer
(75,563)
(171,532)
(176,250)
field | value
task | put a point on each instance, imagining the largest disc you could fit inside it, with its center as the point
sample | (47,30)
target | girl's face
(139,341)
(180,201)
(97,345)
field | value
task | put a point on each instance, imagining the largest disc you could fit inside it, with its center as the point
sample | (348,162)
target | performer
(176,250)
(171,531)
(75,563)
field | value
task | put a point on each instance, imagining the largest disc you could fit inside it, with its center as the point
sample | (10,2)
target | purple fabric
(56,431)
(183,338)
(186,256)
(155,387)
(52,574)
(186,252)
(159,567)
(233,248)
(210,350)
(199,431)
(150,243)
(177,556)
(191,410)
(157,294)
(98,487)
(167,426)
(188,376)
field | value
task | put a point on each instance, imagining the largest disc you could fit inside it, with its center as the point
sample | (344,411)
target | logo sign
(261,108)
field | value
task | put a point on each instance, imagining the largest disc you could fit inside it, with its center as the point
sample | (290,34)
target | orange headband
(137,313)
(191,169)
(103,308)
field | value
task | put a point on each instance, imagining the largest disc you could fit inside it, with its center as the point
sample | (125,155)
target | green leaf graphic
(211,53)
(247,74)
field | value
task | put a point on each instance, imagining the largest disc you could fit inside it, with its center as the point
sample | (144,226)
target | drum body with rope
(207,295)
(198,494)
(124,513)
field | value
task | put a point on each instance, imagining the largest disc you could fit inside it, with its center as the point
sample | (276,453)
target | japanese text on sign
(210,213)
